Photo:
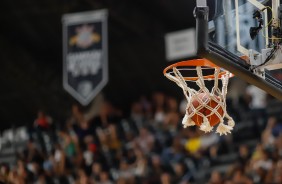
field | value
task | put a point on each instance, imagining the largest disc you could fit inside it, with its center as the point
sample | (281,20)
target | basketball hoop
(205,107)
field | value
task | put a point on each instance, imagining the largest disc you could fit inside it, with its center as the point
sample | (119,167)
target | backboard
(244,37)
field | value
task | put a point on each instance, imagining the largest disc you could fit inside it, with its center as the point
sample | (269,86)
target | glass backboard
(247,33)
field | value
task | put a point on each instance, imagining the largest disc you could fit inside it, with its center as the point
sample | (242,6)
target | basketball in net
(212,110)
(206,107)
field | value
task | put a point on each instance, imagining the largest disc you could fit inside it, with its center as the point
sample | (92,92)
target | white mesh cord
(216,95)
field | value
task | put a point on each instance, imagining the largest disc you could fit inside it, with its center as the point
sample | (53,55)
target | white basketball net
(216,94)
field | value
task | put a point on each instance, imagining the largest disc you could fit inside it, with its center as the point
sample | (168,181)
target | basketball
(200,99)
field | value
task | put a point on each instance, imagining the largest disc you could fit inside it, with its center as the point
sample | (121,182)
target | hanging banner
(180,44)
(85,54)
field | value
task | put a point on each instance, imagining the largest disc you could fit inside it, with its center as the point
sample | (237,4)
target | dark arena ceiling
(31,52)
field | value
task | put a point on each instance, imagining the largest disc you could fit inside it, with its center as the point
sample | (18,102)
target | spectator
(137,116)
(264,162)
(268,138)
(165,178)
(104,178)
(172,117)
(126,173)
(43,121)
(193,143)
(42,125)
(4,173)
(32,154)
(156,169)
(59,160)
(244,155)
(69,144)
(216,178)
(239,177)
(159,107)
(146,107)
(174,153)
(108,115)
(141,165)
(180,175)
(145,141)
(82,178)
(96,171)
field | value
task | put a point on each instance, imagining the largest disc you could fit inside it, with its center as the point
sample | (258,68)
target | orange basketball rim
(203,97)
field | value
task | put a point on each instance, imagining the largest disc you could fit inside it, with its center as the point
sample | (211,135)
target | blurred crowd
(147,147)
